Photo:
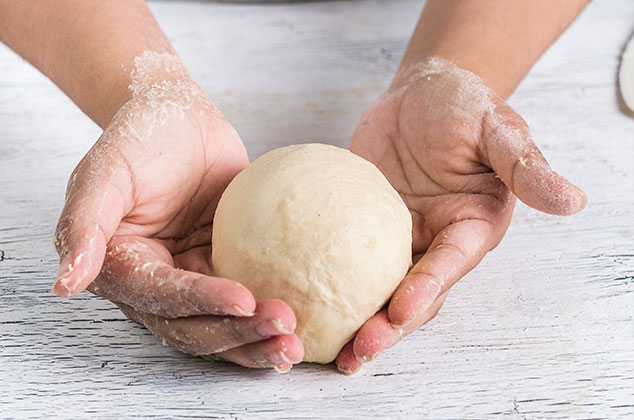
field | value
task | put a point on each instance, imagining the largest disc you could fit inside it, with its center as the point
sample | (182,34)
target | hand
(136,226)
(458,155)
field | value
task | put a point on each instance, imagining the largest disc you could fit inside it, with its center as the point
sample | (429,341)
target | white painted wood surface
(541,329)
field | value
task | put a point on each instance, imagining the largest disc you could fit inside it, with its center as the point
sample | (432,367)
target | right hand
(136,227)
(458,155)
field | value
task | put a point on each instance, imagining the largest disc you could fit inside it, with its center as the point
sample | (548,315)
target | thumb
(509,150)
(97,198)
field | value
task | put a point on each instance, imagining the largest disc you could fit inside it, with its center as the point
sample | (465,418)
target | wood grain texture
(541,329)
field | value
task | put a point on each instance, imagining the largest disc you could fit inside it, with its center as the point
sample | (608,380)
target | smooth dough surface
(320,228)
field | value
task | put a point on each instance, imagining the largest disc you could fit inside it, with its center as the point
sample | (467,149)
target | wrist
(498,41)
(160,81)
(502,83)
(411,70)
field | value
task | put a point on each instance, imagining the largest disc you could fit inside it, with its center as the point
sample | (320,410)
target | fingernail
(271,327)
(400,328)
(365,358)
(62,286)
(281,328)
(284,358)
(279,358)
(349,371)
(282,368)
(584,198)
(238,311)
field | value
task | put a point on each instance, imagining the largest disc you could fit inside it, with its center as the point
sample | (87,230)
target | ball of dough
(320,228)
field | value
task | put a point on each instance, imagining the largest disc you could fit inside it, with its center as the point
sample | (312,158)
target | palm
(175,193)
(136,229)
(146,194)
(433,162)
(454,151)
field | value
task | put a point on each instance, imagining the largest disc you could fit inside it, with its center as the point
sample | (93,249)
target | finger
(378,334)
(507,147)
(346,360)
(97,198)
(139,272)
(207,334)
(452,254)
(280,352)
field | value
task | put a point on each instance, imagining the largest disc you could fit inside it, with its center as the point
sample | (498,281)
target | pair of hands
(136,226)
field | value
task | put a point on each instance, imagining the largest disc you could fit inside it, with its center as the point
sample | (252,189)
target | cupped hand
(458,155)
(136,226)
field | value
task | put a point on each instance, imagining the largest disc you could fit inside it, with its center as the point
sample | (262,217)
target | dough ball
(320,228)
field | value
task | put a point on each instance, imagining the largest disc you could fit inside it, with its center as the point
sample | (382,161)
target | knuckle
(235,334)
(179,338)
(194,341)
(184,345)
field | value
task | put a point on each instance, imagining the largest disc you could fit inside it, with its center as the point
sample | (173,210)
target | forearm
(497,40)
(86,47)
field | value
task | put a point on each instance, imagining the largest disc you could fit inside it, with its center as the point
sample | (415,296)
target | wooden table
(541,329)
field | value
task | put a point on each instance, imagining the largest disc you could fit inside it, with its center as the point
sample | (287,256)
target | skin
(456,152)
(136,223)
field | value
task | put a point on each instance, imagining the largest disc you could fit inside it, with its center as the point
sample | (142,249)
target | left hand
(136,227)
(458,155)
